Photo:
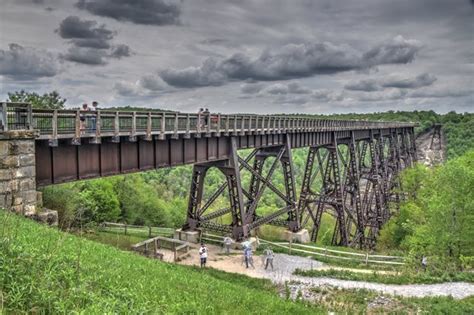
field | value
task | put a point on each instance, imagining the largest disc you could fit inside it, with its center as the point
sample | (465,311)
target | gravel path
(285,265)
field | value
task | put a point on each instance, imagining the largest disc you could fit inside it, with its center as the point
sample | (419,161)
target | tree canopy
(51,100)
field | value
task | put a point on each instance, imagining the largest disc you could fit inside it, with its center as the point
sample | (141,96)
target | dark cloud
(292,61)
(391,94)
(396,51)
(84,33)
(441,92)
(152,83)
(421,80)
(296,88)
(368,85)
(251,88)
(121,51)
(87,56)
(152,12)
(26,63)
(125,89)
(394,81)
(91,43)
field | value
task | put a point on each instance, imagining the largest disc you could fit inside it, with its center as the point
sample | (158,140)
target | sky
(243,56)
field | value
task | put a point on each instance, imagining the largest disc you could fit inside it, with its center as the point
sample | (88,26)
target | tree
(51,100)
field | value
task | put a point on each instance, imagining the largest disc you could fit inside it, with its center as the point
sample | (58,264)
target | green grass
(121,241)
(357,302)
(43,270)
(340,263)
(399,278)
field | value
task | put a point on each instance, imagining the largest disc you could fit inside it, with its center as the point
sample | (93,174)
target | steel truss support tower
(244,201)
(355,181)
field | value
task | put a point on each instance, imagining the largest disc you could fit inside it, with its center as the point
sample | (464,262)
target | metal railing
(15,116)
(55,124)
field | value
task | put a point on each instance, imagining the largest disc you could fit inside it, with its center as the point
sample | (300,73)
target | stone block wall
(18,171)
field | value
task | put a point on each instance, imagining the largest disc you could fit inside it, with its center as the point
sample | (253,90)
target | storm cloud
(398,81)
(292,61)
(26,63)
(393,81)
(367,85)
(85,56)
(151,12)
(91,43)
(85,33)
(121,51)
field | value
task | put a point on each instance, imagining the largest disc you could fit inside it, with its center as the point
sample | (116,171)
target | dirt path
(285,265)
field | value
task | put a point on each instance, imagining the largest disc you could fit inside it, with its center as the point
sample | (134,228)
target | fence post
(367,258)
(133,133)
(98,124)
(149,231)
(116,127)
(188,126)
(29,119)
(125,226)
(176,126)
(148,136)
(4,118)
(163,126)
(53,141)
(289,247)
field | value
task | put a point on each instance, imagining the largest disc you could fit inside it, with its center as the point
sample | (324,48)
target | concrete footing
(188,236)
(301,236)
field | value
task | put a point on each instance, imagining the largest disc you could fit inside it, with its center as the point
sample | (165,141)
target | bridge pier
(243,202)
(353,180)
(18,171)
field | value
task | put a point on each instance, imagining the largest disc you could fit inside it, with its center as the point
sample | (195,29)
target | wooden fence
(320,251)
(129,229)
(151,246)
(337,254)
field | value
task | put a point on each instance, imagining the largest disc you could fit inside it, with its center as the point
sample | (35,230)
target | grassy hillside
(43,270)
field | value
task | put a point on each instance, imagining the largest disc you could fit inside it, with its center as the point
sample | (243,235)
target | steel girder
(243,203)
(356,181)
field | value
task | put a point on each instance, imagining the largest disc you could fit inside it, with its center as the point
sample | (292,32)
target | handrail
(66,123)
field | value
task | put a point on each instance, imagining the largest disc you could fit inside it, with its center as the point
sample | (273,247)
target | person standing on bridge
(82,117)
(207,117)
(203,255)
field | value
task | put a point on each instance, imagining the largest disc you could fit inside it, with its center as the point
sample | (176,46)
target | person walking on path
(248,257)
(268,254)
(227,244)
(203,255)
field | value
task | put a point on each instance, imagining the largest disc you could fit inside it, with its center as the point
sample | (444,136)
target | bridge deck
(63,124)
(73,144)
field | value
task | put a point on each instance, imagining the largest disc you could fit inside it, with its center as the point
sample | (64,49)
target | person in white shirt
(203,255)
(227,244)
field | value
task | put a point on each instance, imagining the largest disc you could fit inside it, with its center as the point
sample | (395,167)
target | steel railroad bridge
(350,173)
